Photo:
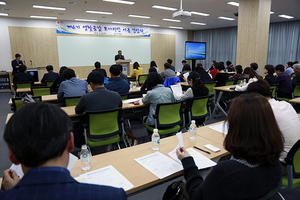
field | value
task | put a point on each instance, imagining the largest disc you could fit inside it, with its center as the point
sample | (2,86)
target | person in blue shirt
(72,87)
(116,83)
(289,68)
(171,67)
(254,66)
(39,137)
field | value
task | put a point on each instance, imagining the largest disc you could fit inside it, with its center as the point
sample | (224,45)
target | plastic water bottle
(155,140)
(193,130)
(85,158)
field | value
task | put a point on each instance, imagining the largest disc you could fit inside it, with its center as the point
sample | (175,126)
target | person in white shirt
(252,77)
(285,115)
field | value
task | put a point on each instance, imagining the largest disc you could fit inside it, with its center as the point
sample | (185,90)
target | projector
(181,14)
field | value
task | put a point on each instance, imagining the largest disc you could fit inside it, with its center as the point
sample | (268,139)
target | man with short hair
(39,137)
(50,76)
(171,66)
(123,76)
(119,56)
(296,79)
(23,76)
(116,83)
(285,87)
(183,63)
(72,87)
(214,71)
(285,115)
(168,72)
(16,63)
(254,66)
(98,67)
(289,68)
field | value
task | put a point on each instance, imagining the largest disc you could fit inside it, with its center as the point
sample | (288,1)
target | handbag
(176,191)
(26,99)
(131,139)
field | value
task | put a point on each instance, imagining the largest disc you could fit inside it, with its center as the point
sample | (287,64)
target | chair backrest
(71,101)
(124,96)
(41,91)
(49,83)
(229,82)
(273,88)
(293,158)
(198,107)
(239,80)
(169,114)
(104,124)
(22,85)
(142,78)
(210,86)
(297,90)
(17,102)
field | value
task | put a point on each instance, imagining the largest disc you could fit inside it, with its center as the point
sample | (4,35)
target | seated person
(221,76)
(269,71)
(39,137)
(289,68)
(185,70)
(59,79)
(50,76)
(255,151)
(204,76)
(251,75)
(229,66)
(171,66)
(123,76)
(23,76)
(168,72)
(214,71)
(99,100)
(157,93)
(153,64)
(285,115)
(137,70)
(254,66)
(238,73)
(151,70)
(72,87)
(98,67)
(285,87)
(116,83)
(296,79)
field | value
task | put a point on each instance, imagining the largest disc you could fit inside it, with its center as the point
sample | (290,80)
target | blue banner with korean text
(101,29)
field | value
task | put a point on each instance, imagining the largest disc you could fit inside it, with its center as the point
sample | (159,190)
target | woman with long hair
(251,75)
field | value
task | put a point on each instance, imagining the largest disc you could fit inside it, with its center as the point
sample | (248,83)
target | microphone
(31,62)
(24,62)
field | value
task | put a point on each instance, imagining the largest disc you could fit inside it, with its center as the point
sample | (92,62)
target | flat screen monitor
(195,50)
(34,73)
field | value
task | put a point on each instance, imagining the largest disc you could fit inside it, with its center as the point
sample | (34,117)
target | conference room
(79,35)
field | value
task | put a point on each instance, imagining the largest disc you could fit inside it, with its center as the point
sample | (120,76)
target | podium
(125,64)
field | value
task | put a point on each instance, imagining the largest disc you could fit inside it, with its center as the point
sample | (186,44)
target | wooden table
(123,160)
(217,98)
(296,100)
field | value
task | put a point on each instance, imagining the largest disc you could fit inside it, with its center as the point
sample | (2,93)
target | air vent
(6,9)
(71,2)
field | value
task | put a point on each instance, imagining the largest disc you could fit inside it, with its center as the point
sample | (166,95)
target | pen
(201,150)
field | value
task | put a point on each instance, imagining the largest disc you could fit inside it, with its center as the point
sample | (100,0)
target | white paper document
(177,89)
(131,100)
(19,171)
(106,176)
(223,128)
(179,136)
(201,161)
(186,75)
(160,165)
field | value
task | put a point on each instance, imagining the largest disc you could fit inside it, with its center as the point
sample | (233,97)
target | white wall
(5,49)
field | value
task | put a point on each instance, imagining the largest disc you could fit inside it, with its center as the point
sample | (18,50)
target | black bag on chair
(176,191)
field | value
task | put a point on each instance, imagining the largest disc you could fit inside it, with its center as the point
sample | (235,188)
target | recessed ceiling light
(42,17)
(151,25)
(2,3)
(233,3)
(286,16)
(99,12)
(199,13)
(171,20)
(176,27)
(226,18)
(115,22)
(121,1)
(86,20)
(3,14)
(48,7)
(164,7)
(139,16)
(271,12)
(198,23)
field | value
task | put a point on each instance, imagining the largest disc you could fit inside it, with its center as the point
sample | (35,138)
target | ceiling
(216,8)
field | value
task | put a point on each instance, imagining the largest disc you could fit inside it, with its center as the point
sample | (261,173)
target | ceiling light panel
(199,13)
(99,12)
(86,20)
(171,20)
(176,27)
(286,16)
(139,16)
(3,14)
(227,18)
(42,17)
(155,25)
(233,3)
(120,1)
(2,3)
(164,7)
(48,7)
(116,22)
(198,23)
